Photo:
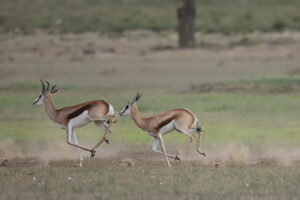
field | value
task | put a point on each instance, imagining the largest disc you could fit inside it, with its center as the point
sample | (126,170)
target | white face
(39,101)
(126,110)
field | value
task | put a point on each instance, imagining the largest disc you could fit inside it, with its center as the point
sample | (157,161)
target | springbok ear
(53,90)
(56,90)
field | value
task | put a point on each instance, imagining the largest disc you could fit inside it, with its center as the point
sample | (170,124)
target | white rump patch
(111,110)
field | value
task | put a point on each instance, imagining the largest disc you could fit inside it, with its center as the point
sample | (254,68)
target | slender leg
(191,136)
(69,137)
(78,150)
(154,148)
(104,128)
(163,147)
(112,119)
(199,141)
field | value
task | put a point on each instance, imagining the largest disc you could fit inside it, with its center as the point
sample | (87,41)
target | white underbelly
(80,120)
(61,126)
(150,134)
(167,128)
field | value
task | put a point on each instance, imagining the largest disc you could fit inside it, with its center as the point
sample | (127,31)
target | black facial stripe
(124,110)
(37,99)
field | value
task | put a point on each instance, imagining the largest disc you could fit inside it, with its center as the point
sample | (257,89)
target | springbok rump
(181,120)
(71,117)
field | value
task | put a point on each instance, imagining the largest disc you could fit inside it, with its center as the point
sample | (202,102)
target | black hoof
(93,153)
(177,158)
(203,154)
(107,141)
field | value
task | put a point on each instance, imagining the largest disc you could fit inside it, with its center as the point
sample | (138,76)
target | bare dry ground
(131,62)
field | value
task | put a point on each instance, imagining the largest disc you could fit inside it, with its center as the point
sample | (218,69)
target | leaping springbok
(72,117)
(181,120)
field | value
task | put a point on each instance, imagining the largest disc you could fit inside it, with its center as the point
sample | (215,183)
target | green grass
(68,16)
(111,181)
(225,117)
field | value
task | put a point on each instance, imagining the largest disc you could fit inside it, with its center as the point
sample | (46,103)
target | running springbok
(181,120)
(72,117)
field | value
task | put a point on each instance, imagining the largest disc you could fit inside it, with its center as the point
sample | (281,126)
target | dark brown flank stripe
(165,122)
(78,112)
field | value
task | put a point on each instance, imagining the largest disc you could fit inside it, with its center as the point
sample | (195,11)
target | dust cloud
(218,155)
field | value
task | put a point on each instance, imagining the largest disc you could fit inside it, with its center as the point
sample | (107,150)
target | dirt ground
(122,155)
(122,62)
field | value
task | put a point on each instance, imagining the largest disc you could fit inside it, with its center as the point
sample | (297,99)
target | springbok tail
(198,128)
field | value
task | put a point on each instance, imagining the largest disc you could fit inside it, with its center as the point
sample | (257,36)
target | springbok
(71,117)
(181,120)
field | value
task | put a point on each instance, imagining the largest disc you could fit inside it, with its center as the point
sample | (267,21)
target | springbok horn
(53,88)
(135,98)
(47,85)
(139,96)
(43,85)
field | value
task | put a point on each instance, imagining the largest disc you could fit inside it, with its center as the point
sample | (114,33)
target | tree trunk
(186,17)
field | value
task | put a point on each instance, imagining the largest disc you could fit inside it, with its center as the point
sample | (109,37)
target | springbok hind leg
(107,132)
(190,135)
(200,133)
(199,141)
(102,125)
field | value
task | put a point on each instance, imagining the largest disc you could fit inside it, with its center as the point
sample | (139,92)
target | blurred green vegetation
(117,16)
(264,85)
(252,118)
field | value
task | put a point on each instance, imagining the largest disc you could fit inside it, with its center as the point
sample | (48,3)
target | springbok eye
(127,107)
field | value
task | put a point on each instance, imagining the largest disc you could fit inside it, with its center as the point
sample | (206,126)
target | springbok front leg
(107,132)
(191,139)
(78,150)
(154,148)
(69,138)
(163,147)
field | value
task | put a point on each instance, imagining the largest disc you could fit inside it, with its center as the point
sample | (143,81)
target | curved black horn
(52,89)
(48,84)
(43,85)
